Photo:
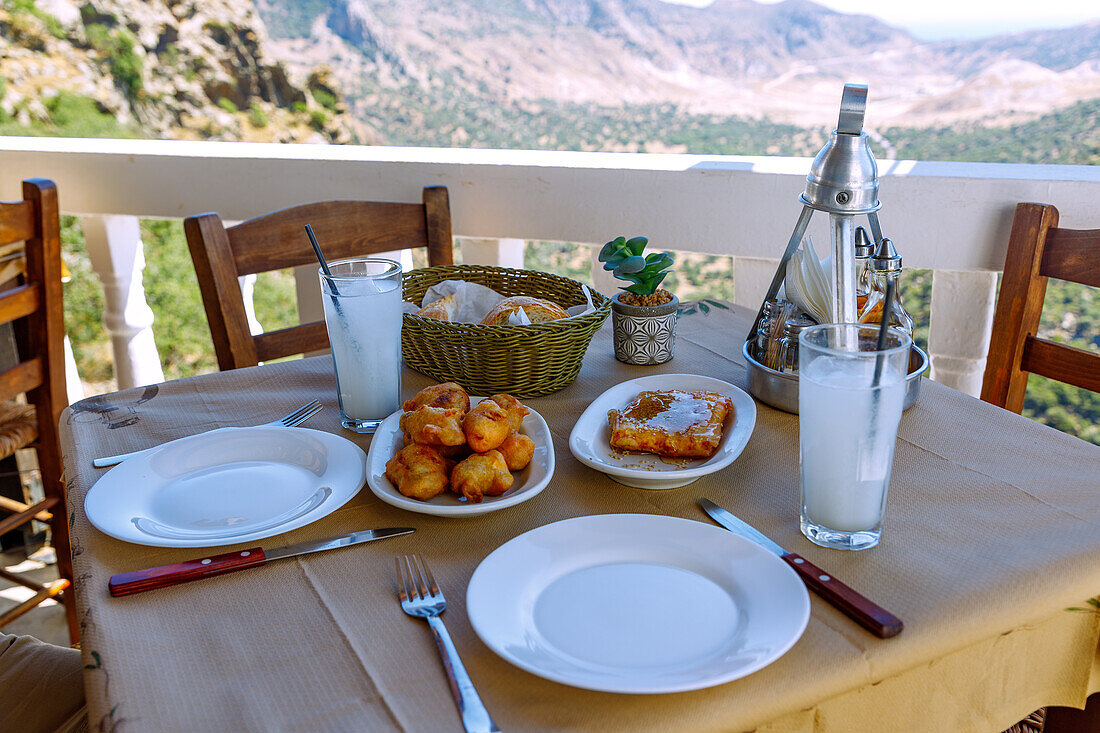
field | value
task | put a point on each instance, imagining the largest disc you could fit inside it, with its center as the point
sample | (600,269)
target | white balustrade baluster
(117,258)
(248,292)
(74,390)
(496,252)
(751,278)
(960,325)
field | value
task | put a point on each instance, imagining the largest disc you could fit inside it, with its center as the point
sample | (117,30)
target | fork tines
(417,580)
(302,414)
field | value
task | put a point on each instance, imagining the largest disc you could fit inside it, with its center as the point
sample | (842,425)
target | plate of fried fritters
(447,453)
(664,431)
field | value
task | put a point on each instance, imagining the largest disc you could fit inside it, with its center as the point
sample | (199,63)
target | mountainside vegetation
(157,68)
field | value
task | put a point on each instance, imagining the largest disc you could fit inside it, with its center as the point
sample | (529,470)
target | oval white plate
(530,481)
(636,603)
(589,441)
(226,486)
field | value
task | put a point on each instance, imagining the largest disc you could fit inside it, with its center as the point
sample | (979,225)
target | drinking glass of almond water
(850,397)
(362,300)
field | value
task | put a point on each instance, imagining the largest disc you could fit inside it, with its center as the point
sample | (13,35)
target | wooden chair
(34,307)
(1038,249)
(278,240)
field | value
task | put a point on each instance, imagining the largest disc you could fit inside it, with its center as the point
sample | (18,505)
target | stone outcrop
(197,69)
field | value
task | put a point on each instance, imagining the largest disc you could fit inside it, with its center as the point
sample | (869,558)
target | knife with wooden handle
(864,612)
(138,581)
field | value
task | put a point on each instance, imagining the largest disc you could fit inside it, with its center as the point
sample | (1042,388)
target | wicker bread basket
(524,361)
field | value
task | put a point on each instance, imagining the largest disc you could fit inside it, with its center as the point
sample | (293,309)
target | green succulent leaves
(624,258)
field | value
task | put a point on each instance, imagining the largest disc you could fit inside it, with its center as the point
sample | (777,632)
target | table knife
(864,612)
(125,584)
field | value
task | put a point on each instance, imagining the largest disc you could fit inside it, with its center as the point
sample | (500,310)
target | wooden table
(992,533)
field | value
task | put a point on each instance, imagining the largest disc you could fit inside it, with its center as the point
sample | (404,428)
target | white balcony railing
(951,217)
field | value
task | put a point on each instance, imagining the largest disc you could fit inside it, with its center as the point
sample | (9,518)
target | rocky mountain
(1058,49)
(198,69)
(783,61)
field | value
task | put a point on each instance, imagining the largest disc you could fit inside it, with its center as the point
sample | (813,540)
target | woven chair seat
(18,427)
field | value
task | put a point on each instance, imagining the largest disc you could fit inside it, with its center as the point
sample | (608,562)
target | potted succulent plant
(643,315)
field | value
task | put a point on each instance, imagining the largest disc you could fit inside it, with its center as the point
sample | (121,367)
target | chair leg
(1072,720)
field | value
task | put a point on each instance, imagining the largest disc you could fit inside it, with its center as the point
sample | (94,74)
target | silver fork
(421,597)
(292,420)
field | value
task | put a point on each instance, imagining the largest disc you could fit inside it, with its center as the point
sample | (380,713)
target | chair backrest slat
(293,340)
(1062,362)
(1072,254)
(1038,249)
(19,302)
(343,228)
(16,221)
(278,241)
(23,377)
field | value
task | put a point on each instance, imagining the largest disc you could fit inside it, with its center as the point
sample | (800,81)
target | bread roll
(441,310)
(537,309)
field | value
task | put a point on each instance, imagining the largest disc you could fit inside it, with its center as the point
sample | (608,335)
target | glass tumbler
(850,399)
(362,301)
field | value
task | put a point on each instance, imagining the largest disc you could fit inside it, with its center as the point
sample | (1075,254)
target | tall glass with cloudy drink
(362,301)
(847,424)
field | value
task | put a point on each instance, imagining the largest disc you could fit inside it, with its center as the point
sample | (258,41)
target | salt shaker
(770,331)
(788,346)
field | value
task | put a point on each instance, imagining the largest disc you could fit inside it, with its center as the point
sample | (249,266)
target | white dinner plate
(636,603)
(388,440)
(590,440)
(226,486)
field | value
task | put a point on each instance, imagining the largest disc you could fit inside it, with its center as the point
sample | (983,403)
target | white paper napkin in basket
(474,301)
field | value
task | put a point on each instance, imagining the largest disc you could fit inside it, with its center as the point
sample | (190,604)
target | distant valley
(784,63)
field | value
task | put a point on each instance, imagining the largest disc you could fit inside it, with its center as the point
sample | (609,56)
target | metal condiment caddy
(843,182)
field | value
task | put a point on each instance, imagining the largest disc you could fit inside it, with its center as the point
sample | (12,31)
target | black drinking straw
(320,256)
(328,273)
(888,301)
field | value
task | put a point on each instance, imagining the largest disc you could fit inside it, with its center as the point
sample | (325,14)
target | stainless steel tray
(781,390)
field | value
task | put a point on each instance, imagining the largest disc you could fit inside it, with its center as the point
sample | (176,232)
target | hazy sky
(940,19)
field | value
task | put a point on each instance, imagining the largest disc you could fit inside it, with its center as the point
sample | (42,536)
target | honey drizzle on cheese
(672,411)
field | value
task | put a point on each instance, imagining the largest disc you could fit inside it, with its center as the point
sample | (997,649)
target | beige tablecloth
(992,532)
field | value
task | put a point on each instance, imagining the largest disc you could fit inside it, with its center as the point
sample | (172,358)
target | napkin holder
(843,183)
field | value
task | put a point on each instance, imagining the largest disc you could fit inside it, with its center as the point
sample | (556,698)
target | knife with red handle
(138,581)
(863,611)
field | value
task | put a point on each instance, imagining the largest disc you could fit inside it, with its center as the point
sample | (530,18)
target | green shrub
(19,8)
(89,15)
(318,118)
(299,106)
(71,115)
(171,55)
(325,98)
(257,116)
(117,45)
(227,104)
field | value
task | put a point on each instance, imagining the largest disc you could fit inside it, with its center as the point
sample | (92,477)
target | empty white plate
(636,603)
(226,486)
(590,440)
(388,440)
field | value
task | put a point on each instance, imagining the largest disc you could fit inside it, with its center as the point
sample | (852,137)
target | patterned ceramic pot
(644,335)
